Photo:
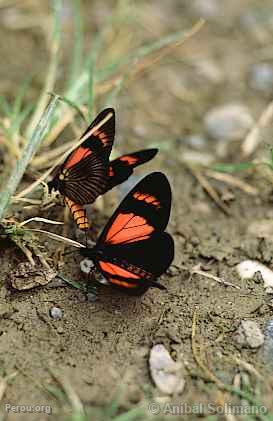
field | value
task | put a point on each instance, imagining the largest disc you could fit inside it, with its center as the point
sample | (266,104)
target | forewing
(121,168)
(145,210)
(99,141)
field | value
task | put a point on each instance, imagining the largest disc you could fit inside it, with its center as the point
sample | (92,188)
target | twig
(253,138)
(196,271)
(233,181)
(209,189)
(57,237)
(28,152)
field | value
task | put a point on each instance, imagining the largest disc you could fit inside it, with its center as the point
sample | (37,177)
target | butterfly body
(133,249)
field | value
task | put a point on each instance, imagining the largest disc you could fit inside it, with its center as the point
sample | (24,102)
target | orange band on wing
(147,198)
(77,156)
(128,228)
(130,160)
(112,269)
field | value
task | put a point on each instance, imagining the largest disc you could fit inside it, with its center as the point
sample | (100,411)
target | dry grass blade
(72,396)
(233,181)
(196,355)
(45,160)
(209,189)
(197,271)
(3,387)
(248,367)
(38,219)
(253,138)
(147,62)
(30,188)
(57,237)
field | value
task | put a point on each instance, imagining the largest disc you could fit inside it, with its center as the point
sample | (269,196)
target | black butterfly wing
(135,267)
(146,208)
(133,249)
(121,168)
(101,140)
(84,174)
(84,182)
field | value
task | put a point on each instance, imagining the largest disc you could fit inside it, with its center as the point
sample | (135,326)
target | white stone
(165,372)
(248,268)
(228,122)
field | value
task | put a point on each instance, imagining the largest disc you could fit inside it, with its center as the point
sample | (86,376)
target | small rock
(196,157)
(261,77)
(165,372)
(173,270)
(207,9)
(60,330)
(248,268)
(249,335)
(56,313)
(195,141)
(228,122)
(91,297)
(209,70)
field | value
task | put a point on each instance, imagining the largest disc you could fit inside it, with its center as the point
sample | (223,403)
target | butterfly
(133,249)
(86,173)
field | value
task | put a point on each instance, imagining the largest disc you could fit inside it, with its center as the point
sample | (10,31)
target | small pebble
(261,77)
(228,122)
(91,297)
(165,372)
(56,313)
(197,157)
(249,335)
(207,9)
(195,141)
(248,268)
(60,330)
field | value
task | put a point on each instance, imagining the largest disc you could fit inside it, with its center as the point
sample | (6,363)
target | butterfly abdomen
(79,214)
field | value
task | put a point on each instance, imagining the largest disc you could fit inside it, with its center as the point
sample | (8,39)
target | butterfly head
(89,252)
(56,182)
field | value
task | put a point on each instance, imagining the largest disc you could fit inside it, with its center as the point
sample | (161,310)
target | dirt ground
(101,348)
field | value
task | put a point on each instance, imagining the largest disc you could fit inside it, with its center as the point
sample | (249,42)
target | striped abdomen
(78,213)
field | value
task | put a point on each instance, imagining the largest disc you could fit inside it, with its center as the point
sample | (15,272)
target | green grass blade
(52,70)
(232,168)
(142,52)
(19,98)
(31,147)
(77,57)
